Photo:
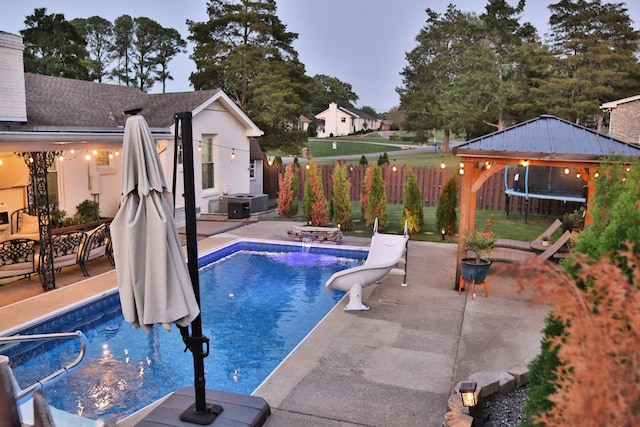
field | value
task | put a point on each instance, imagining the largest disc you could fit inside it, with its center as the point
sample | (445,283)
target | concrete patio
(394,365)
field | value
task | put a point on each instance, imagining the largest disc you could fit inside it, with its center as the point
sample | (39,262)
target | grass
(503,226)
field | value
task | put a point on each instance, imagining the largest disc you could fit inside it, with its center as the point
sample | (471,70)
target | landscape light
(468,394)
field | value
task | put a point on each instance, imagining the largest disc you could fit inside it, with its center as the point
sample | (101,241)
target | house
(340,121)
(624,120)
(303,123)
(81,125)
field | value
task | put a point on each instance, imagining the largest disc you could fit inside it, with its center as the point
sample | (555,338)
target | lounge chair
(554,249)
(526,246)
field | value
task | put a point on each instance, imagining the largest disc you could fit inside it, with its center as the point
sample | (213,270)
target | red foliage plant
(286,191)
(598,377)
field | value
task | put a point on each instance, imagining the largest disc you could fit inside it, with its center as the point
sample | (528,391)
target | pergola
(543,141)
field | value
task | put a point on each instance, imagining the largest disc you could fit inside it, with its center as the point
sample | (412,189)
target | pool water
(257,306)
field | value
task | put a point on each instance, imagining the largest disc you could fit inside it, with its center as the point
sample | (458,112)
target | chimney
(13,102)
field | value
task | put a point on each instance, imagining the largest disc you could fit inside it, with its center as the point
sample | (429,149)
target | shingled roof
(547,138)
(55,102)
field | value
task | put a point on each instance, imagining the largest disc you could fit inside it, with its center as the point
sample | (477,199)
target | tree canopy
(85,49)
(245,50)
(470,74)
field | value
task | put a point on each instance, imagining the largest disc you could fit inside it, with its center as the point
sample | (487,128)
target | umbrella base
(239,409)
(202,418)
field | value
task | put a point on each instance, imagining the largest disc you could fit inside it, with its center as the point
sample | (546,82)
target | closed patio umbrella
(156,285)
(153,278)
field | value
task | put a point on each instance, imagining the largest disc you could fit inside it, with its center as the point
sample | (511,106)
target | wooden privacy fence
(430,179)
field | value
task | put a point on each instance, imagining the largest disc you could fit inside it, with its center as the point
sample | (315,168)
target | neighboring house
(624,120)
(303,123)
(83,122)
(340,121)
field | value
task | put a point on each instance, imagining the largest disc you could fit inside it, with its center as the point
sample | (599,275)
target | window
(207,163)
(252,169)
(103,158)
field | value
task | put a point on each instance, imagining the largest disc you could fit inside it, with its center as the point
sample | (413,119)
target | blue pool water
(258,302)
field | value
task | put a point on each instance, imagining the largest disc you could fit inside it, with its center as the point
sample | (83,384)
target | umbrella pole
(199,412)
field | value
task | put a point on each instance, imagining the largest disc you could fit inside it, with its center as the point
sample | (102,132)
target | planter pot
(473,272)
(545,243)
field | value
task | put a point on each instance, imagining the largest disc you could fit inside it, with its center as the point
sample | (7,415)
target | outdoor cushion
(29,224)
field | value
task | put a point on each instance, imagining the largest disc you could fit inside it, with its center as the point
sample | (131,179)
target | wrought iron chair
(96,245)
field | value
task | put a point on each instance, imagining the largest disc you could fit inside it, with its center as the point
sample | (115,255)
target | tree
(377,203)
(169,45)
(593,47)
(341,200)
(146,34)
(446,215)
(245,50)
(123,49)
(315,204)
(98,34)
(326,89)
(412,206)
(465,74)
(53,47)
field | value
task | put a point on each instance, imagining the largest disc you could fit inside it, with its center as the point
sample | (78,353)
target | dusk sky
(361,42)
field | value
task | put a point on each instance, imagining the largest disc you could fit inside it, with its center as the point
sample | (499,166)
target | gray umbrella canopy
(153,279)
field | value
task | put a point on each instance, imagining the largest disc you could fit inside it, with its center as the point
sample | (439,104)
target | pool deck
(394,365)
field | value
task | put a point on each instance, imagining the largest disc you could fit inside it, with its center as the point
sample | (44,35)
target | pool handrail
(26,393)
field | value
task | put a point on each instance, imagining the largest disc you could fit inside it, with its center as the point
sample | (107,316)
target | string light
(566,171)
(233,153)
(394,168)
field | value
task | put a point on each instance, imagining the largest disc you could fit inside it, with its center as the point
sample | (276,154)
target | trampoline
(544,182)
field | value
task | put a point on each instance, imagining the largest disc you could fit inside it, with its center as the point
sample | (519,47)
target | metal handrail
(26,392)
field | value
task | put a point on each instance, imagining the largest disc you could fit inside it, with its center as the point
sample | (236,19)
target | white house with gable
(340,121)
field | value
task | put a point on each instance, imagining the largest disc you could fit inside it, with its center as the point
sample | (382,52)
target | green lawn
(511,227)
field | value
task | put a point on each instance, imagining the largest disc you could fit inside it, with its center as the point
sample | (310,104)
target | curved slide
(385,251)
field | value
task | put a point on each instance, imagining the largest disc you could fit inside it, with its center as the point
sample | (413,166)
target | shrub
(288,192)
(383,159)
(377,204)
(315,204)
(446,215)
(87,211)
(412,207)
(364,161)
(341,200)
(594,320)
(366,191)
(595,377)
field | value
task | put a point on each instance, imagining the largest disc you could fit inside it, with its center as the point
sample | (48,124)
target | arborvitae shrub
(412,207)
(366,191)
(377,204)
(341,198)
(315,204)
(288,191)
(364,161)
(446,215)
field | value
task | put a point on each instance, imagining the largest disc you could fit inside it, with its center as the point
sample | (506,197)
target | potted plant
(546,240)
(480,243)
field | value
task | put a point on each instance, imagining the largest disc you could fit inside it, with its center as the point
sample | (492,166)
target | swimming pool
(259,300)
